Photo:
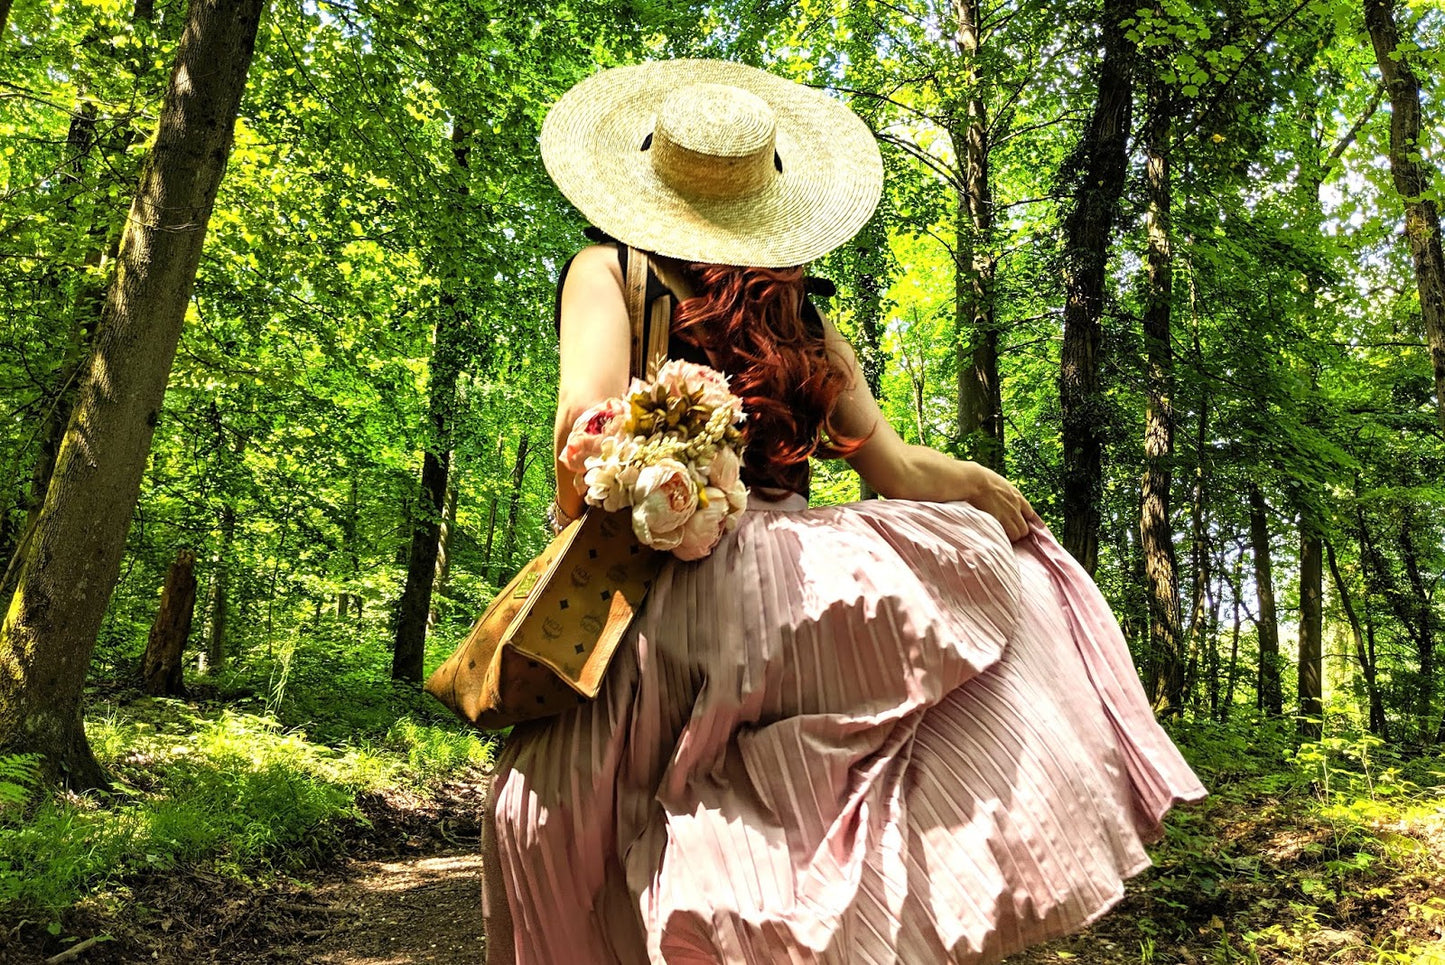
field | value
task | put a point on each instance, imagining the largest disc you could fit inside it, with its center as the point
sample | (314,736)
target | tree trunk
(980,400)
(1412,608)
(220,588)
(1269,696)
(872,248)
(161,666)
(1097,170)
(71,564)
(409,650)
(1414,180)
(1311,631)
(1419,599)
(444,556)
(1378,723)
(509,541)
(86,291)
(4,20)
(1156,530)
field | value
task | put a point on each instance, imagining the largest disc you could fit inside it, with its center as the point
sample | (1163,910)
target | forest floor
(1240,879)
(1331,853)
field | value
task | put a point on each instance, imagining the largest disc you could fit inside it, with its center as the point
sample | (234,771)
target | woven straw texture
(674,157)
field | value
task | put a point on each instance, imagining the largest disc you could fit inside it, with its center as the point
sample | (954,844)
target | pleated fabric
(873,733)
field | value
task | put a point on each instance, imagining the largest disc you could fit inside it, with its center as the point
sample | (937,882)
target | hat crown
(714,141)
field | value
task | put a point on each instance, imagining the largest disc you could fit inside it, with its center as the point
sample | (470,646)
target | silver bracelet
(557,518)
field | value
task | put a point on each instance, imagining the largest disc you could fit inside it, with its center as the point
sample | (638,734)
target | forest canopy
(1174,268)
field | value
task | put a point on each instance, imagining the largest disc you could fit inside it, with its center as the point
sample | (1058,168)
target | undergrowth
(1327,851)
(255,780)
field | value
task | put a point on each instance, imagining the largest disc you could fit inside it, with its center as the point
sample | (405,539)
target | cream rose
(737,498)
(705,527)
(606,419)
(708,384)
(663,497)
(723,471)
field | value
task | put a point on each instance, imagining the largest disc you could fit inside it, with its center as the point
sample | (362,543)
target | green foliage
(19,774)
(1322,853)
(234,793)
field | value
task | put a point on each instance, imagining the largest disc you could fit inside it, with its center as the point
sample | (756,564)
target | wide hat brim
(831,178)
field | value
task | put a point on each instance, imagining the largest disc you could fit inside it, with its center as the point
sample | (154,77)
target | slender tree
(1269,693)
(980,399)
(414,607)
(72,558)
(1311,631)
(1095,172)
(1156,530)
(1414,180)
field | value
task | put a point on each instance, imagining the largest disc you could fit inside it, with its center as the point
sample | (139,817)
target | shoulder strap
(646,359)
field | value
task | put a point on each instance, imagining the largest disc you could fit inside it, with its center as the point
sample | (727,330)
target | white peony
(705,527)
(663,498)
(723,470)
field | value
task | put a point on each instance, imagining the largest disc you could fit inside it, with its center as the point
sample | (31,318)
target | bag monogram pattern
(545,641)
(560,626)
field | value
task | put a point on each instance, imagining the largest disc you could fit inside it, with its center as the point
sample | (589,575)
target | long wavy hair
(749,323)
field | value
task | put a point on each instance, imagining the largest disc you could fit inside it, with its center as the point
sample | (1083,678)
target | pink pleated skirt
(872,733)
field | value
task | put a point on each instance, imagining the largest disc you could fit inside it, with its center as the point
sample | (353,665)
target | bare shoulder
(597,263)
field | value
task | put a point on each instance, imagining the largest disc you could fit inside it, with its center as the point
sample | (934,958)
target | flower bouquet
(669,450)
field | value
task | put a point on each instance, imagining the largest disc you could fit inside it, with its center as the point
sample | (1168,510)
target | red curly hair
(750,324)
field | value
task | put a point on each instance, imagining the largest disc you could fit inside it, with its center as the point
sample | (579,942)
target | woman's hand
(898,470)
(995,495)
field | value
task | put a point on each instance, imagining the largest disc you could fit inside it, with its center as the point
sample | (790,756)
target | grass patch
(1323,852)
(266,782)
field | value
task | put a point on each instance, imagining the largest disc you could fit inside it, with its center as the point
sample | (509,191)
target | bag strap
(635,286)
(646,359)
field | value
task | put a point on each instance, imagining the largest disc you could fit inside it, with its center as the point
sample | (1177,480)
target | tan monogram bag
(544,643)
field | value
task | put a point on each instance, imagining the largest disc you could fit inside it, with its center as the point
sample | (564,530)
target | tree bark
(161,666)
(1419,600)
(1269,695)
(980,400)
(444,555)
(4,21)
(409,649)
(509,541)
(220,590)
(1156,530)
(1097,170)
(1414,180)
(872,248)
(1378,723)
(71,564)
(1311,632)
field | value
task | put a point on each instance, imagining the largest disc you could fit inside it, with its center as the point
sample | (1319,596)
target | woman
(898,731)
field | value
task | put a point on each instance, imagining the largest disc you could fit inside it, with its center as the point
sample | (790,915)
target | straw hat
(716,162)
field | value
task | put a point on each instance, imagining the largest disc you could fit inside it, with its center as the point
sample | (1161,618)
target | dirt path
(406,889)
(409,891)
(391,912)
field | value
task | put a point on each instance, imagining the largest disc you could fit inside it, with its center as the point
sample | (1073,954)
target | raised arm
(899,470)
(596,342)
